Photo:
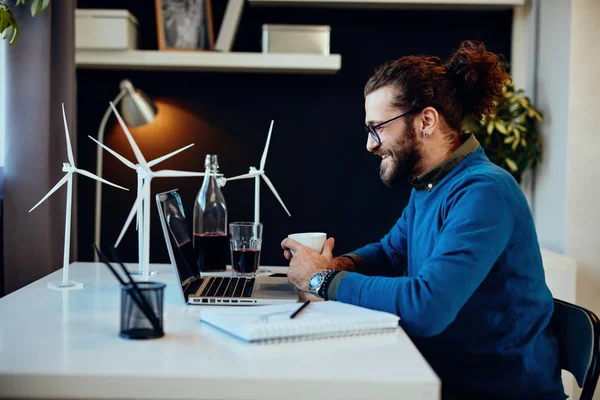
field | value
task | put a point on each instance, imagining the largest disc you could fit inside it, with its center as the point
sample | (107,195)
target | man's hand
(306,262)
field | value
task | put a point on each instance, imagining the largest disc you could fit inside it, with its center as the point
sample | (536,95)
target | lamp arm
(99,154)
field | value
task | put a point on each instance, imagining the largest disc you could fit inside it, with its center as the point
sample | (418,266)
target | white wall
(566,193)
(567,196)
(552,88)
(582,239)
(522,67)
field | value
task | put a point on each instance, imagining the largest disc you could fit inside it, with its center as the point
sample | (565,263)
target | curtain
(40,72)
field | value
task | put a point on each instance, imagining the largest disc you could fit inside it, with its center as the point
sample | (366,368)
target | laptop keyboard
(228,287)
(194,286)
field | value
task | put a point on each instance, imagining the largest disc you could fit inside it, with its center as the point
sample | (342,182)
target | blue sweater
(463,270)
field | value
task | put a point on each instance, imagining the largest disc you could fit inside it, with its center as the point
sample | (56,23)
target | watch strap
(334,285)
(325,285)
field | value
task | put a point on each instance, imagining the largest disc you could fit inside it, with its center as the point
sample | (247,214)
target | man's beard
(403,156)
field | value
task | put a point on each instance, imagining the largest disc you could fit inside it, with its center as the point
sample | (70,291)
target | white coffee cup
(312,240)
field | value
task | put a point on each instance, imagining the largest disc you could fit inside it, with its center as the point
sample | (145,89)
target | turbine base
(69,285)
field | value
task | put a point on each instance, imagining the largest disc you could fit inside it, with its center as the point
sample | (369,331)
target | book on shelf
(229,25)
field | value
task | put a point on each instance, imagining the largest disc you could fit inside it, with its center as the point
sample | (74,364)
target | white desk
(66,345)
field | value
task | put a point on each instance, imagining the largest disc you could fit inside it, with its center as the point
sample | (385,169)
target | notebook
(318,320)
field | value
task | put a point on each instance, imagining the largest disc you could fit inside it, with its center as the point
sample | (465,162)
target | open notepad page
(317,320)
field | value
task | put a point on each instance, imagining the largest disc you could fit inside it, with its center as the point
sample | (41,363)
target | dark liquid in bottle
(245,261)
(211,251)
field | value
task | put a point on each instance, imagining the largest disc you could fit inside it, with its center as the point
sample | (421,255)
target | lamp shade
(136,108)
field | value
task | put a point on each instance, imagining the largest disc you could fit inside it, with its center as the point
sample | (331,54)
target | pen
(302,307)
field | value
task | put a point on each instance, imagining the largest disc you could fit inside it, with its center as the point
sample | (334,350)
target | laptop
(199,289)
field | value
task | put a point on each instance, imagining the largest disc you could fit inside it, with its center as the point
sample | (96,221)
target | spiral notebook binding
(281,333)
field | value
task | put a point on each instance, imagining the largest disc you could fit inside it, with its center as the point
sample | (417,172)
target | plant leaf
(38,6)
(520,127)
(523,102)
(3,20)
(511,164)
(512,140)
(9,30)
(514,107)
(501,127)
(13,28)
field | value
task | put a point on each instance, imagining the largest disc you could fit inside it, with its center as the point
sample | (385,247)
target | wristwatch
(316,282)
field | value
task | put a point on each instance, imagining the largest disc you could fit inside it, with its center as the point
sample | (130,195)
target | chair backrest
(578,332)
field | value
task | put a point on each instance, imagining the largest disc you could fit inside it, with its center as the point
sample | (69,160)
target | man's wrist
(346,262)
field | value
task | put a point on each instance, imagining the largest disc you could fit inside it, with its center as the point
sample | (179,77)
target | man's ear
(430,120)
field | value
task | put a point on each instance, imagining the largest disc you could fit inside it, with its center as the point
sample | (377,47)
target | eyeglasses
(372,130)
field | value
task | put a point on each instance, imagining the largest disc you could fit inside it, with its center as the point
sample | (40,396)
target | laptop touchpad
(270,287)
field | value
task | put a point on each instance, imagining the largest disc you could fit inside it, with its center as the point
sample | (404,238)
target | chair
(578,332)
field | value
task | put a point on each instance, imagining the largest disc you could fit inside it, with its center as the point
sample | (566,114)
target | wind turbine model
(70,169)
(140,183)
(257,174)
(143,199)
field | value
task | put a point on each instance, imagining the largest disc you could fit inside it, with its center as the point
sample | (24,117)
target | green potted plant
(509,135)
(8,25)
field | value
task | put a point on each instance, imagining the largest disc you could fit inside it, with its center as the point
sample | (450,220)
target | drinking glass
(245,240)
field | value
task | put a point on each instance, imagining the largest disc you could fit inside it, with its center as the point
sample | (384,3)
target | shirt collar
(429,179)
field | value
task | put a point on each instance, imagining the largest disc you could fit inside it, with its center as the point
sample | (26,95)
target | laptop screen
(178,239)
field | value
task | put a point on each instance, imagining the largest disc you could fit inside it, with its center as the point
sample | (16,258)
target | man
(462,266)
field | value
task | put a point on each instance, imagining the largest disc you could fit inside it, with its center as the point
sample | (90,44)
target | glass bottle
(211,245)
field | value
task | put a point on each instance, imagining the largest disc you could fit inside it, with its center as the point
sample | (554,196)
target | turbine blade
(114,153)
(263,159)
(69,148)
(132,213)
(136,150)
(90,175)
(163,158)
(166,173)
(270,185)
(54,189)
(250,175)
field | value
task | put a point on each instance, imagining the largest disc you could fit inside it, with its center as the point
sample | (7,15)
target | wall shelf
(208,61)
(420,4)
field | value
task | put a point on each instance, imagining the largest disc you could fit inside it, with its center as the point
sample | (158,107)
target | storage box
(311,39)
(105,30)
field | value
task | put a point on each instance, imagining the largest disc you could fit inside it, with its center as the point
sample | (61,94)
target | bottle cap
(211,162)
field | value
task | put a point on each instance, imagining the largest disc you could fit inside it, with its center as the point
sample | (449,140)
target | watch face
(315,281)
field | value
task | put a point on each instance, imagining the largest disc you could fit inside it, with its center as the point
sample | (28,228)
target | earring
(425,134)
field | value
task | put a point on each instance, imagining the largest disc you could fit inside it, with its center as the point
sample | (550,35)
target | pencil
(302,307)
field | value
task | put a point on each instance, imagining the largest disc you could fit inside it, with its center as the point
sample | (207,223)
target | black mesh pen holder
(134,322)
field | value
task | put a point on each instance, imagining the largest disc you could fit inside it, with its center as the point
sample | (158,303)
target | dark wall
(317,159)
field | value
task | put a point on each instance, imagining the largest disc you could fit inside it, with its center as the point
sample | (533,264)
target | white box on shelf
(306,39)
(97,29)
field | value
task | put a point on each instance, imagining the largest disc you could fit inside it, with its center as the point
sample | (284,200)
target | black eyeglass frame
(372,129)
